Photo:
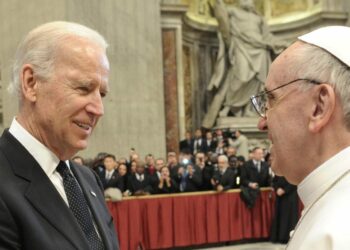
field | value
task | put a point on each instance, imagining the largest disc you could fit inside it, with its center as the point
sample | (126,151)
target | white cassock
(325,192)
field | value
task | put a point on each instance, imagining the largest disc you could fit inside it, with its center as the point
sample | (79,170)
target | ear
(323,107)
(29,83)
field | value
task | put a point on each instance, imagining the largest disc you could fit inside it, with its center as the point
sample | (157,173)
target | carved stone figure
(244,56)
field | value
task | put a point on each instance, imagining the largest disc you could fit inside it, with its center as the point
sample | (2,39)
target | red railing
(158,221)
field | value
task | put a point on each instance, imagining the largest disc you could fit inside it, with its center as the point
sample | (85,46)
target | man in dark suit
(185,145)
(198,142)
(255,173)
(224,179)
(46,201)
(109,175)
(140,183)
(209,143)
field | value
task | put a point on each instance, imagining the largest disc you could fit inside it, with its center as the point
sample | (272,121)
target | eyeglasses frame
(253,98)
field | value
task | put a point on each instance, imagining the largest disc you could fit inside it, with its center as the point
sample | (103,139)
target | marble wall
(134,109)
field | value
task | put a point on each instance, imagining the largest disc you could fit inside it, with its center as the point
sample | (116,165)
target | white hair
(39,49)
(317,64)
(223,157)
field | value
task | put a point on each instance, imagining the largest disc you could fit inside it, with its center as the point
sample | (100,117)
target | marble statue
(244,56)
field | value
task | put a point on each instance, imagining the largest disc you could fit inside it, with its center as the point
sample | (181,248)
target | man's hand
(219,188)
(280,192)
(253,185)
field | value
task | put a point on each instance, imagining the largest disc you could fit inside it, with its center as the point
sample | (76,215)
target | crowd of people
(211,162)
(214,162)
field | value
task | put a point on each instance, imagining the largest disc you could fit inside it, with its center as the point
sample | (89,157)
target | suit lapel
(41,193)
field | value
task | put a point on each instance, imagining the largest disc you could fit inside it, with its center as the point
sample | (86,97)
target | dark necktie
(79,206)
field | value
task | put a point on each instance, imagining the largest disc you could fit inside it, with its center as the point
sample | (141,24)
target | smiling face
(65,109)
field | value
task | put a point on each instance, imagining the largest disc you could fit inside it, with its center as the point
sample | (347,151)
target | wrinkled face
(122,170)
(286,120)
(68,106)
(222,163)
(109,163)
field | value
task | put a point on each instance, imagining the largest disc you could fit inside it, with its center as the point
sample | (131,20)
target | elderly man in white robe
(305,110)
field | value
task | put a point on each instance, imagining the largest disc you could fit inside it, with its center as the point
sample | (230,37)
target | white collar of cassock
(323,176)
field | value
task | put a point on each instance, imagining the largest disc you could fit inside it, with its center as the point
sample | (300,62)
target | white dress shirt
(325,193)
(47,160)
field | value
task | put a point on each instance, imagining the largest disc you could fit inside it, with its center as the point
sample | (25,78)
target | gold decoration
(281,7)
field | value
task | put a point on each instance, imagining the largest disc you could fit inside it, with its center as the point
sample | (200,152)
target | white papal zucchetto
(334,39)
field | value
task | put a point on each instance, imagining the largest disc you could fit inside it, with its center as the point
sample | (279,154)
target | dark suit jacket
(249,173)
(209,146)
(135,185)
(114,182)
(227,180)
(185,146)
(33,215)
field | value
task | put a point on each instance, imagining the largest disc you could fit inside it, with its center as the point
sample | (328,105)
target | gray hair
(223,157)
(317,64)
(39,49)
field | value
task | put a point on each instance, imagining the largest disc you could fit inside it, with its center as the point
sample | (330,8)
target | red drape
(157,222)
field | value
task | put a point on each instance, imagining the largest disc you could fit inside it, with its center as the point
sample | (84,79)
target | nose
(95,105)
(262,124)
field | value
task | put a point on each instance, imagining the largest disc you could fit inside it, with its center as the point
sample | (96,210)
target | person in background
(122,177)
(189,178)
(236,169)
(159,164)
(166,185)
(209,143)
(241,144)
(186,144)
(140,183)
(305,112)
(224,178)
(172,164)
(78,160)
(254,174)
(109,176)
(60,76)
(198,142)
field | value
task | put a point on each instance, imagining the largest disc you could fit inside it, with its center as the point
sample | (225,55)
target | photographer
(189,178)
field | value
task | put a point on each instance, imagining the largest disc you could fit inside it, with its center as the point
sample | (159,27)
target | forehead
(281,69)
(78,54)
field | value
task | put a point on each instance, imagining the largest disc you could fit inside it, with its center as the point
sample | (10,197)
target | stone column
(172,15)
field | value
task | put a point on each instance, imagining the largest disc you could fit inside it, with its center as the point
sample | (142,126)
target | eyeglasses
(259,101)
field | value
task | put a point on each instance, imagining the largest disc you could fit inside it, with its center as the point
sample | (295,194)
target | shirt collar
(316,183)
(47,160)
